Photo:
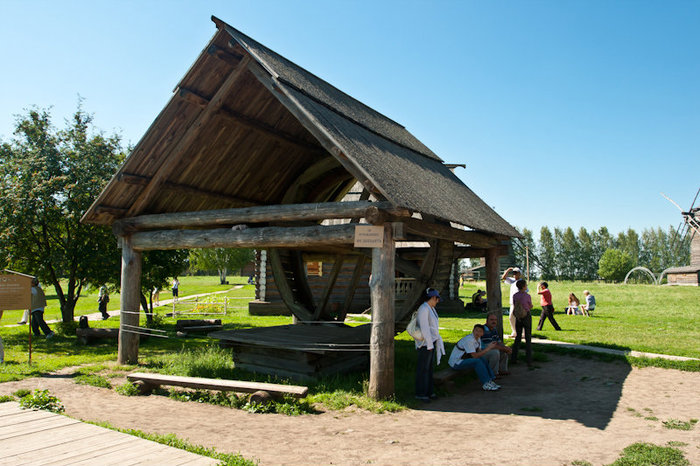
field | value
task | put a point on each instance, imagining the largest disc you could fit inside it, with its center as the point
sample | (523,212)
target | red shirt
(545,297)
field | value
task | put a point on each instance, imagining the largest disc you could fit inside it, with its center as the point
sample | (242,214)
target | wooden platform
(302,352)
(40,437)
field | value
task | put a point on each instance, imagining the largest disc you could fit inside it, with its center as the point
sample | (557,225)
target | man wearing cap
(517,274)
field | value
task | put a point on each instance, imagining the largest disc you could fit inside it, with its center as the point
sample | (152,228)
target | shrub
(93,380)
(614,265)
(41,399)
(127,389)
(650,454)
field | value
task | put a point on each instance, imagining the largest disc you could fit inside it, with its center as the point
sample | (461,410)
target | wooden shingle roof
(246,126)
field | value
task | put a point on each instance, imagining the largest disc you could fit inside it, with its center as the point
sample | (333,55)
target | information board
(15,292)
(369,236)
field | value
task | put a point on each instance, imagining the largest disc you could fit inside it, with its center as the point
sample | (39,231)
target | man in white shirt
(467,354)
(517,274)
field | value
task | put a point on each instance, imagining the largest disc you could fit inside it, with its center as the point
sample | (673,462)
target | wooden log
(435,230)
(87,335)
(381,370)
(256,214)
(128,350)
(266,237)
(240,386)
(493,286)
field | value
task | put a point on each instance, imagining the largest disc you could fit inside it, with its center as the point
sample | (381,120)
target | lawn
(650,318)
(639,317)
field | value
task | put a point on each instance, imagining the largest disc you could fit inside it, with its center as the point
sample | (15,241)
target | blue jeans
(482,369)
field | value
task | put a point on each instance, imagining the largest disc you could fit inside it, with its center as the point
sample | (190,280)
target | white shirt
(428,323)
(467,344)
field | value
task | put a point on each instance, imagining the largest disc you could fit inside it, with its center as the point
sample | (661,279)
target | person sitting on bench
(467,354)
(478,301)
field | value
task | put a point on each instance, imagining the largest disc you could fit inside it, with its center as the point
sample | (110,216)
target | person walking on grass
(176,290)
(547,306)
(102,301)
(38,304)
(522,304)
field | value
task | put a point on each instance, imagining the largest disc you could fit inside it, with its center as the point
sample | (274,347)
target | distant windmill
(689,275)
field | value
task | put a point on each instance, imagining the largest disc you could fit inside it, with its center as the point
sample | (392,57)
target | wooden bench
(445,375)
(148,382)
(198,325)
(89,335)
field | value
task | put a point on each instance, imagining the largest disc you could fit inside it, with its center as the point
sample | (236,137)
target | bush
(127,389)
(614,265)
(40,399)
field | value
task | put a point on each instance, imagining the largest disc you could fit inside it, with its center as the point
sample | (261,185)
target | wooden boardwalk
(42,438)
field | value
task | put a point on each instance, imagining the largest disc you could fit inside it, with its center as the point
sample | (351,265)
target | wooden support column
(381,368)
(493,286)
(128,352)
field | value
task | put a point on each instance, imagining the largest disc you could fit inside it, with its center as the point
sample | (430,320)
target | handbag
(413,329)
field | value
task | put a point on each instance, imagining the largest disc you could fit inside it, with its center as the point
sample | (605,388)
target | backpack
(413,329)
(83,322)
(519,311)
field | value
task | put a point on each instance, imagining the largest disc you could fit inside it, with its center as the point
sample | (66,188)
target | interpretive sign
(15,291)
(369,236)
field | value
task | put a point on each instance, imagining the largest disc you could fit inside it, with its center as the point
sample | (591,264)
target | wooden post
(128,352)
(493,286)
(381,356)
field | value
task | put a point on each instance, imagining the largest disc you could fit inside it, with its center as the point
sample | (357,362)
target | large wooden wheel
(327,181)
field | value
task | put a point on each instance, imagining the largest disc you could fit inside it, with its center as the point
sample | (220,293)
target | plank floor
(44,438)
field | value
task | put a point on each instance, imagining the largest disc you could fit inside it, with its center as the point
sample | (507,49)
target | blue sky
(566,113)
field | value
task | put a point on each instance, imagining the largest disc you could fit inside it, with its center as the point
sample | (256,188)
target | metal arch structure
(644,269)
(663,274)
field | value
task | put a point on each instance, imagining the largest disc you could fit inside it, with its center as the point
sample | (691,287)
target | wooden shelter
(254,151)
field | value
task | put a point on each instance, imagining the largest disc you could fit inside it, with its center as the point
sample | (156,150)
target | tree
(547,255)
(156,268)
(614,265)
(220,259)
(629,242)
(523,256)
(48,179)
(587,262)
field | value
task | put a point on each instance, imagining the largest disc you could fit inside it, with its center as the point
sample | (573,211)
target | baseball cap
(517,270)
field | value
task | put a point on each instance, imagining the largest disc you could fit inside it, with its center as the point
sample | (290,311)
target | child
(522,304)
(574,303)
(547,306)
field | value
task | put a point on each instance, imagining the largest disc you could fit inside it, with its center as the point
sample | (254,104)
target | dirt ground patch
(567,409)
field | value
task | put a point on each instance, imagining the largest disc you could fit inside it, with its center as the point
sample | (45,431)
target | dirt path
(568,409)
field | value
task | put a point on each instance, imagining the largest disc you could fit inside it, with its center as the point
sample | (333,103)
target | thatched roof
(248,127)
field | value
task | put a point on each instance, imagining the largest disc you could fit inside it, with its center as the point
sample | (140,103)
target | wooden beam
(130,303)
(173,160)
(462,252)
(266,237)
(231,58)
(433,230)
(350,293)
(271,131)
(321,309)
(192,191)
(113,211)
(130,178)
(493,286)
(381,347)
(256,214)
(193,98)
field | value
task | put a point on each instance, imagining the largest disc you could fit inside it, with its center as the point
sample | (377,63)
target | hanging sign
(369,236)
(15,291)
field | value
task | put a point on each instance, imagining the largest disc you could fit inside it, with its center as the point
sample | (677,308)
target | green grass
(638,317)
(647,454)
(627,317)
